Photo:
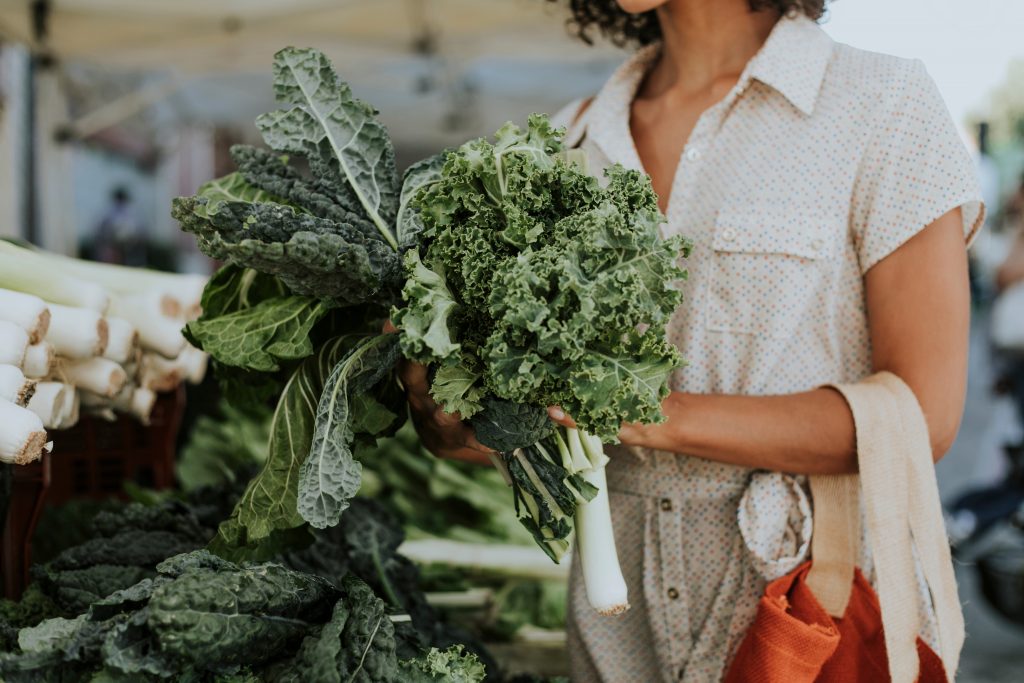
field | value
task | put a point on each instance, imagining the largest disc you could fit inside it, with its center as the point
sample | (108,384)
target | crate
(95,458)
(29,484)
(91,460)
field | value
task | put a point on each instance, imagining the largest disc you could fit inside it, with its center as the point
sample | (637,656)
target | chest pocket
(768,269)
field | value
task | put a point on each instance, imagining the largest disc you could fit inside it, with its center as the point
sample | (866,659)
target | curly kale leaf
(506,426)
(330,475)
(452,666)
(329,125)
(417,177)
(548,287)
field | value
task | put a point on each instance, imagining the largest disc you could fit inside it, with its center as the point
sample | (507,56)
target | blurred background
(109,108)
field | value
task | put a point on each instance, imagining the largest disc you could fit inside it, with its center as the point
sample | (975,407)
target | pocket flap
(759,230)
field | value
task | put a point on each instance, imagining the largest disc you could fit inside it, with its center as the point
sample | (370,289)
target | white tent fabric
(439,70)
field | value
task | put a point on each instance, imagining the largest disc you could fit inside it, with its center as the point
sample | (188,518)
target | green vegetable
(534,285)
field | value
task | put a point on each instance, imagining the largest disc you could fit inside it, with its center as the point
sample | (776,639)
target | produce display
(78,336)
(521,278)
(139,600)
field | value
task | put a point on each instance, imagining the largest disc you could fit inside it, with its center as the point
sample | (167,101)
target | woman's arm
(919,312)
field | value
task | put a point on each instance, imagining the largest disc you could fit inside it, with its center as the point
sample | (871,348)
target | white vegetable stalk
(77,333)
(22,436)
(595,538)
(71,409)
(50,402)
(14,387)
(29,272)
(186,289)
(99,375)
(135,401)
(39,360)
(123,340)
(158,332)
(193,364)
(13,343)
(27,312)
(160,374)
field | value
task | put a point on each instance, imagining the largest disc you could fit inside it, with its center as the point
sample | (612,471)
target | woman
(829,198)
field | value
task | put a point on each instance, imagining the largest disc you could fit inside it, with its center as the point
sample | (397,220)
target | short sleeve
(915,168)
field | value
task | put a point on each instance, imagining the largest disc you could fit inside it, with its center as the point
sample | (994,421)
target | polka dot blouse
(821,161)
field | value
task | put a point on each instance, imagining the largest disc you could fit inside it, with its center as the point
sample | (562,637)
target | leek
(50,403)
(22,436)
(99,375)
(77,333)
(39,360)
(13,344)
(14,387)
(48,281)
(26,311)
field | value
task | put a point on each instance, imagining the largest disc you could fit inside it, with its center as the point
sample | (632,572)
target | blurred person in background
(1010,274)
(120,236)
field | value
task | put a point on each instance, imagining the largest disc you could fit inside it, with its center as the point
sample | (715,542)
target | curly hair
(625,29)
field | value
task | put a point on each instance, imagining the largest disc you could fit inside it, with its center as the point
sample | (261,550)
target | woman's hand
(444,434)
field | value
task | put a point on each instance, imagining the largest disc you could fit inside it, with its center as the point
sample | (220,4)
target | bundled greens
(535,285)
(521,279)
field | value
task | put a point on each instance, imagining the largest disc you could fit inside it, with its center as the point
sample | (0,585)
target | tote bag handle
(901,508)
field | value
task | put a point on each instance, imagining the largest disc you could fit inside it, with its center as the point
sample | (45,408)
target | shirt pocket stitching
(765,266)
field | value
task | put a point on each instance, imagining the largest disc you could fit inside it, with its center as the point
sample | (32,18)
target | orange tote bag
(823,622)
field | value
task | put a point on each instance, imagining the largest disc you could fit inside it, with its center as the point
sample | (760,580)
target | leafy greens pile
(204,618)
(520,278)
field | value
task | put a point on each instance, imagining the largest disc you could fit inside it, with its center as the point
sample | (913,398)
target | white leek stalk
(99,375)
(38,276)
(595,538)
(22,436)
(13,343)
(186,289)
(27,312)
(77,333)
(158,332)
(124,338)
(50,403)
(39,360)
(70,410)
(193,364)
(157,373)
(14,387)
(132,400)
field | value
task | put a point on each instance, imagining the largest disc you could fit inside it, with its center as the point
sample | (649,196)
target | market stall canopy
(437,67)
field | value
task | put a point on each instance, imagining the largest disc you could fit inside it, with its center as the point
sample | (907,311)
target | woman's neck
(704,43)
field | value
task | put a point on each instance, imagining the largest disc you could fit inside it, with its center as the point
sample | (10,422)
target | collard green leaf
(260,337)
(328,124)
(330,475)
(269,502)
(233,288)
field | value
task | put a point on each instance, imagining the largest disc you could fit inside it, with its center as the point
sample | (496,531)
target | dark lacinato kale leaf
(340,132)
(344,393)
(506,426)
(330,475)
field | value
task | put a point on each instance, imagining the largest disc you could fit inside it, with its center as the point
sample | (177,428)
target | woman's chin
(640,6)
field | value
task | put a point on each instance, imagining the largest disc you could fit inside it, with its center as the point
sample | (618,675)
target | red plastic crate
(92,460)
